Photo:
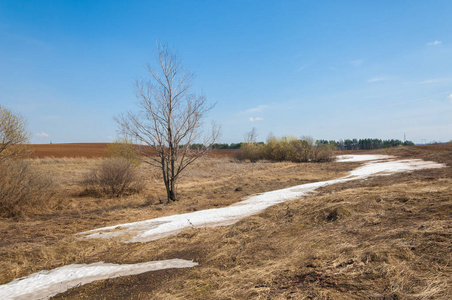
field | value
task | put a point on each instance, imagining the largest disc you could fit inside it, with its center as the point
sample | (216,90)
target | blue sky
(326,69)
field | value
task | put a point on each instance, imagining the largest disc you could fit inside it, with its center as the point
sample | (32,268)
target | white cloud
(255,119)
(378,79)
(450,98)
(42,134)
(257,108)
(434,43)
(437,80)
(357,62)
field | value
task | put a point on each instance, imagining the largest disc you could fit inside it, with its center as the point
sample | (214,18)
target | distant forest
(348,144)
(364,144)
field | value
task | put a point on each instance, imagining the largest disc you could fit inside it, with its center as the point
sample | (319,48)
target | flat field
(88,150)
(387,237)
(91,150)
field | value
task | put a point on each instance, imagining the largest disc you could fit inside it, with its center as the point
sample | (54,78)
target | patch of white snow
(154,229)
(361,157)
(44,284)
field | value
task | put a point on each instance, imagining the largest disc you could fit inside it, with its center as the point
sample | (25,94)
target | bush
(286,149)
(23,189)
(252,151)
(322,153)
(124,148)
(276,150)
(13,135)
(115,177)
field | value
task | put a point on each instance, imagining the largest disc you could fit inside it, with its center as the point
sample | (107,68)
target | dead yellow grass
(47,240)
(384,238)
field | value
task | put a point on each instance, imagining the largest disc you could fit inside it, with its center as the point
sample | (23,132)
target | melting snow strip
(154,229)
(44,284)
(361,157)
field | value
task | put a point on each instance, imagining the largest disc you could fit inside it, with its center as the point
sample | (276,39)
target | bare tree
(251,136)
(13,135)
(171,118)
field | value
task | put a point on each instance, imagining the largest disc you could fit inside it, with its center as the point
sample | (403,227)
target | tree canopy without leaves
(13,135)
(170,119)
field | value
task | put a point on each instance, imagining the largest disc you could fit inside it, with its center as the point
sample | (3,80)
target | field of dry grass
(387,237)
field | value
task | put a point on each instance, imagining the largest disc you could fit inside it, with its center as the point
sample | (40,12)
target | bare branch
(13,135)
(170,119)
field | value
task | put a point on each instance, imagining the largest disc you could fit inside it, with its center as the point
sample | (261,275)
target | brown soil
(388,237)
(92,150)
(89,150)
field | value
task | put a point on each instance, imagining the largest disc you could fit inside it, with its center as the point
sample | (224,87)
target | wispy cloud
(258,108)
(42,134)
(434,43)
(305,65)
(437,80)
(256,119)
(357,62)
(378,79)
(450,98)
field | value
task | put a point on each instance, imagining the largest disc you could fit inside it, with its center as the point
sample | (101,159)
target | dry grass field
(388,237)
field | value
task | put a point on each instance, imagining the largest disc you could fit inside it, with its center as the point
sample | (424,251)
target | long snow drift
(361,157)
(154,229)
(45,284)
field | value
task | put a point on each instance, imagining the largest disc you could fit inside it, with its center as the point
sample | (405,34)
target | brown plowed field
(88,150)
(93,150)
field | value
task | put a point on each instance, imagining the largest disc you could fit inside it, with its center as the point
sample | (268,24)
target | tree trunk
(170,183)
(172,196)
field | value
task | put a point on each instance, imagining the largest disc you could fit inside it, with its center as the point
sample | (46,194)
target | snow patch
(153,229)
(44,284)
(361,157)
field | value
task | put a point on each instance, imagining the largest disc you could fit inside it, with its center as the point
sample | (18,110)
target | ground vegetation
(291,149)
(14,135)
(114,177)
(387,237)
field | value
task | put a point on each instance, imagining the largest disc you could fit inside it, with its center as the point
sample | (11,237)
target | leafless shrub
(115,177)
(124,148)
(13,135)
(239,155)
(276,150)
(322,153)
(286,149)
(252,151)
(24,189)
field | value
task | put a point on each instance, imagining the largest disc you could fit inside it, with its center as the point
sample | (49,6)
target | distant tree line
(217,146)
(364,144)
(347,144)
